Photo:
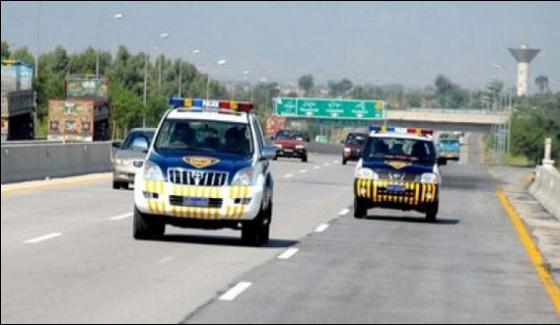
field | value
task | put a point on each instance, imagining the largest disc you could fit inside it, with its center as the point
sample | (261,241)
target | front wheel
(304,158)
(257,232)
(431,212)
(343,161)
(360,211)
(145,226)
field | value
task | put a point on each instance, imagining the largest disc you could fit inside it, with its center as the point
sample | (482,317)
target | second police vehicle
(399,169)
(207,167)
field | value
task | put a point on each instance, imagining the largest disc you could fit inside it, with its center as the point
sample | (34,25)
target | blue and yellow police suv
(207,167)
(398,170)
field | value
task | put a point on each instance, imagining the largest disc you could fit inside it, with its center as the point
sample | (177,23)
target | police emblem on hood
(200,162)
(396,164)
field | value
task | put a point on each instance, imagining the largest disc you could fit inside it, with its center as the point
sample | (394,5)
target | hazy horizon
(377,43)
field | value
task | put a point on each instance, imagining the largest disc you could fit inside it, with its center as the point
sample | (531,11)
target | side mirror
(441,161)
(116,144)
(268,153)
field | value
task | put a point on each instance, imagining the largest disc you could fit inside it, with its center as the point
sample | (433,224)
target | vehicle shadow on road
(224,241)
(439,221)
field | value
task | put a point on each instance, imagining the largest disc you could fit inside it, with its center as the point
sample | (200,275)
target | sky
(377,43)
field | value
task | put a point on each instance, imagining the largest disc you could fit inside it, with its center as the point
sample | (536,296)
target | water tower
(524,55)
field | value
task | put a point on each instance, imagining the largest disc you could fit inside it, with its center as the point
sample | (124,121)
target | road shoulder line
(534,255)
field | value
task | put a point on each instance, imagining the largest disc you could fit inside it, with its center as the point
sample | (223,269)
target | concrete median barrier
(23,162)
(546,189)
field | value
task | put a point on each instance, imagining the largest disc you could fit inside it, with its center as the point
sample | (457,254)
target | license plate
(195,202)
(396,188)
(288,150)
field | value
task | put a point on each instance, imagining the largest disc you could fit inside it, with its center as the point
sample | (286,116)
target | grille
(196,177)
(395,176)
(176,200)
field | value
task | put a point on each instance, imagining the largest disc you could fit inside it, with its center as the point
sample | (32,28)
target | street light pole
(146,60)
(246,73)
(220,63)
(162,36)
(117,16)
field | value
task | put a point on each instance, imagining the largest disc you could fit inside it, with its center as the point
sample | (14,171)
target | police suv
(207,167)
(399,169)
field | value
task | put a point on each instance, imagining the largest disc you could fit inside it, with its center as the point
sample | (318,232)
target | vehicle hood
(398,166)
(130,154)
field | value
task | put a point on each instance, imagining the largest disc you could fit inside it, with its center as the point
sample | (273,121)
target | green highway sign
(327,108)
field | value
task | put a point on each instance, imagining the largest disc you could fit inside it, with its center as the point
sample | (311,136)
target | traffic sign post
(326,108)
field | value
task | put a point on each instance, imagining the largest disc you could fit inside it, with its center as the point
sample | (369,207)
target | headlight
(244,177)
(277,145)
(429,178)
(299,146)
(347,149)
(152,172)
(366,173)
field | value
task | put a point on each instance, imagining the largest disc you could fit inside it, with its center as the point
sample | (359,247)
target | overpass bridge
(478,121)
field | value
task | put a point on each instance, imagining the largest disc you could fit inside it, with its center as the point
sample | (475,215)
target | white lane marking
(42,238)
(326,164)
(232,293)
(165,259)
(288,175)
(322,227)
(317,167)
(303,171)
(335,161)
(343,212)
(121,216)
(288,253)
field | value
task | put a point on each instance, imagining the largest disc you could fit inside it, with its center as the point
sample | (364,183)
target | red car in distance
(353,146)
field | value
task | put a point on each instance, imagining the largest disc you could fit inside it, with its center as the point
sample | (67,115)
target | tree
(542,83)
(339,88)
(6,50)
(448,94)
(22,54)
(306,83)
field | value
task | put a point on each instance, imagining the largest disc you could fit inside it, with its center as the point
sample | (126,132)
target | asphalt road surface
(68,256)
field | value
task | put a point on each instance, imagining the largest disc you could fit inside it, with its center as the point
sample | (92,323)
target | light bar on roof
(214,105)
(385,129)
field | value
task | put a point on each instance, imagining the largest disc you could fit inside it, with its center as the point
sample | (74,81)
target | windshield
(136,139)
(399,149)
(448,142)
(291,135)
(356,139)
(206,136)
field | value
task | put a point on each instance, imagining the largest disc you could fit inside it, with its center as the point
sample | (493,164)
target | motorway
(67,255)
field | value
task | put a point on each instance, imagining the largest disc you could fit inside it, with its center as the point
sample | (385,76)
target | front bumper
(450,155)
(291,152)
(377,193)
(124,173)
(352,155)
(228,202)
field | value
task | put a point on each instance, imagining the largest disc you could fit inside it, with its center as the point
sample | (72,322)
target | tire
(257,232)
(145,226)
(431,212)
(344,161)
(125,185)
(360,211)
(304,158)
(117,185)
(275,158)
